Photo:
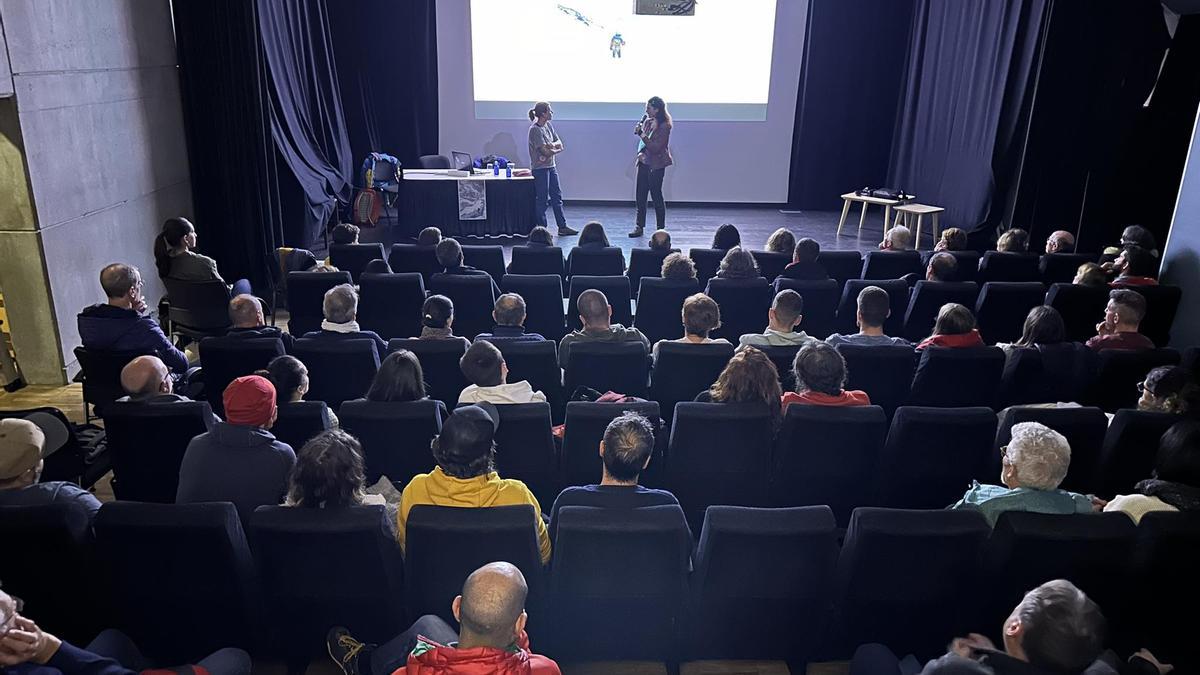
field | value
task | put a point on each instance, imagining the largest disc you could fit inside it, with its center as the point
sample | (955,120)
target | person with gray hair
(121,323)
(899,238)
(341,313)
(1033,464)
(246,316)
(509,314)
(596,316)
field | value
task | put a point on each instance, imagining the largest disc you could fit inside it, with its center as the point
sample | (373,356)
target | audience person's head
(899,238)
(483,365)
(874,307)
(819,367)
(466,447)
(509,310)
(344,233)
(1055,628)
(122,286)
(146,376)
(941,267)
(726,237)
(21,445)
(491,609)
(178,236)
(749,377)
(430,236)
(541,235)
(250,402)
(786,311)
(679,267)
(660,240)
(1168,389)
(593,234)
(290,377)
(738,263)
(399,379)
(340,304)
(378,266)
(1135,261)
(1090,274)
(322,267)
(1015,240)
(1037,457)
(1124,311)
(245,311)
(1178,458)
(329,472)
(1060,241)
(701,315)
(806,250)
(437,312)
(626,448)
(594,310)
(1043,326)
(1139,236)
(953,319)
(449,253)
(952,239)
(781,241)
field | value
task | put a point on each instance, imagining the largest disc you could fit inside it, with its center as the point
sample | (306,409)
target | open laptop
(462,161)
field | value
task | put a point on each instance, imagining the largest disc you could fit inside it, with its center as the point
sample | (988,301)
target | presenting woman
(654,156)
(544,144)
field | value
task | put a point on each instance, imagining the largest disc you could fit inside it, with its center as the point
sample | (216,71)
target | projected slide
(597,60)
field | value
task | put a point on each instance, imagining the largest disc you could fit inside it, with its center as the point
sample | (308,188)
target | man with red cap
(239,460)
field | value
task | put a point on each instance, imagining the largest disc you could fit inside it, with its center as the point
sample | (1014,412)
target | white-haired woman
(1034,462)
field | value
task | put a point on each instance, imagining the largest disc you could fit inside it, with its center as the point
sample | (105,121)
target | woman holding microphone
(654,156)
(544,144)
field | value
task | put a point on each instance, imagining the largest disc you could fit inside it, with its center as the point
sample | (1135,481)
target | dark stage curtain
(854,52)
(231,155)
(306,108)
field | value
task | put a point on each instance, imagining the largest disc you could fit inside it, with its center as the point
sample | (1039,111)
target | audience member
(119,324)
(955,327)
(329,474)
(175,259)
(377,266)
(941,267)
(1136,235)
(344,233)
(1014,240)
(749,377)
(437,320)
(701,315)
(820,373)
(1174,484)
(625,452)
(290,378)
(1033,463)
(781,241)
(1135,266)
(540,236)
(450,256)
(1060,241)
(21,446)
(1167,389)
(593,234)
(874,307)
(782,319)
(26,649)
(898,238)
(738,264)
(596,316)
(430,236)
(804,265)
(952,239)
(147,380)
(246,315)
(465,474)
(726,237)
(1043,326)
(491,614)
(509,314)
(239,460)
(1122,318)
(322,267)
(399,379)
(484,367)
(678,267)
(660,240)
(340,307)
(1090,274)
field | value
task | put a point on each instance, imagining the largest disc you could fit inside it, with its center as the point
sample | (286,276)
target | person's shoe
(343,649)
(637,232)
(564,231)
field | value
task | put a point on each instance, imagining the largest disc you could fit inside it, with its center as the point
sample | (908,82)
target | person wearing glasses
(1034,463)
(121,323)
(26,649)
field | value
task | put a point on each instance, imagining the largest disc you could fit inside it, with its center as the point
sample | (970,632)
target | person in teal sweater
(1034,462)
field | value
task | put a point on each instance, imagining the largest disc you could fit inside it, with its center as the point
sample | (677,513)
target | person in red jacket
(820,373)
(491,612)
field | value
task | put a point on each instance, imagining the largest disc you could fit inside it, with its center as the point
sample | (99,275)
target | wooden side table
(920,211)
(887,205)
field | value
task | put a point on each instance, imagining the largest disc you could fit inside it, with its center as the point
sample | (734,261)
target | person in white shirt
(783,318)
(484,367)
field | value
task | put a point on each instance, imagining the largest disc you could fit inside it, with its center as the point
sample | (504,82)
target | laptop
(462,161)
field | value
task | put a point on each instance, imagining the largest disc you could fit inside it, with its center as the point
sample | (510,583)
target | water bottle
(495,168)
(508,169)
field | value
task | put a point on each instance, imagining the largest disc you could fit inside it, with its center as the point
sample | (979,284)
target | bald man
(147,380)
(1060,241)
(596,316)
(509,315)
(491,612)
(246,315)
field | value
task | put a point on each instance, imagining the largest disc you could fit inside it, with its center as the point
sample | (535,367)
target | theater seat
(1084,429)
(770,263)
(660,307)
(490,259)
(146,444)
(48,550)
(414,258)
(390,304)
(708,261)
(305,296)
(684,370)
(1081,307)
(897,291)
(820,304)
(537,260)
(890,264)
(926,301)
(473,299)
(586,422)
(623,367)
(615,290)
(932,455)
(885,372)
(1129,450)
(1046,373)
(225,359)
(841,265)
(338,370)
(596,261)
(1060,268)
(744,304)
(1166,557)
(444,380)
(1002,307)
(300,421)
(955,377)
(646,263)
(1008,266)
(395,435)
(1118,372)
(537,364)
(525,449)
(543,296)
(353,258)
(1162,303)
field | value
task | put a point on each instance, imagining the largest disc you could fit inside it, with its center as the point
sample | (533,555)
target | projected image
(597,59)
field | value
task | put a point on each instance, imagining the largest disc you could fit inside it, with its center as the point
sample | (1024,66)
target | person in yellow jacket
(465,475)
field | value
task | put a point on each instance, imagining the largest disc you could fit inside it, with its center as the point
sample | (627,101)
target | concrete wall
(100,121)
(1181,256)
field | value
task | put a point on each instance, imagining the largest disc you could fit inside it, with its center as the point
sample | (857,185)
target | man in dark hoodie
(121,325)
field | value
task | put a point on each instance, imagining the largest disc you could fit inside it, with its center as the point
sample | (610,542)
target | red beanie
(249,401)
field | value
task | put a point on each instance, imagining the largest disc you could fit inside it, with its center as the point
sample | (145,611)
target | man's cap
(469,432)
(21,443)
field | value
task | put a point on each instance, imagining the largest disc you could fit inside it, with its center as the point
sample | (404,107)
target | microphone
(641,124)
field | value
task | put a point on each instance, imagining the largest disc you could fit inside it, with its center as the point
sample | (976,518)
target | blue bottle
(495,168)
(508,169)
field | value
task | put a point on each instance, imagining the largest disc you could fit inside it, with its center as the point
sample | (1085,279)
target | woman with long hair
(329,472)
(955,327)
(1043,326)
(544,144)
(738,263)
(399,379)
(749,377)
(653,158)
(726,237)
(781,241)
(175,259)
(593,235)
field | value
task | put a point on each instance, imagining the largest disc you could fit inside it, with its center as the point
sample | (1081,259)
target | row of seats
(763,583)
